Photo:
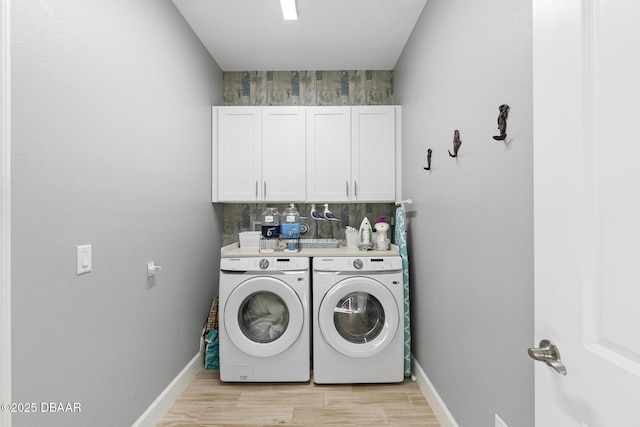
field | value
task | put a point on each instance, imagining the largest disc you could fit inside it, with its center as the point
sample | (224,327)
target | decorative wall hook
(456,143)
(428,160)
(502,122)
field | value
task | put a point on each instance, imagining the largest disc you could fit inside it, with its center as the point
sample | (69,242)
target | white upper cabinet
(239,153)
(260,154)
(328,154)
(373,153)
(351,154)
(283,154)
(313,154)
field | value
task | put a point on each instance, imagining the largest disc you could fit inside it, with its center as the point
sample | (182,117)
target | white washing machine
(358,320)
(264,318)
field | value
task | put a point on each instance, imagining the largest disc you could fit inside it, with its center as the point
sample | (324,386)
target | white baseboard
(437,405)
(154,413)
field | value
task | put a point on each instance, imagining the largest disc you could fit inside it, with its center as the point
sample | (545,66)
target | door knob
(549,354)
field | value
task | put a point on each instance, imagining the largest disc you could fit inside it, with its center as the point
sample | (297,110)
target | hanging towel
(401,242)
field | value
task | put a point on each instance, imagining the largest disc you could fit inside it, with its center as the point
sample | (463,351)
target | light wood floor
(209,402)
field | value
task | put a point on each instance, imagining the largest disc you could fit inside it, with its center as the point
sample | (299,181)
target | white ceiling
(251,35)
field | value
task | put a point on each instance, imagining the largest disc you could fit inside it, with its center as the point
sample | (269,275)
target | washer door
(263,316)
(358,317)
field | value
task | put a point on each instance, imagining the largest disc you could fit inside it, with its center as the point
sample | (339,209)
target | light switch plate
(83,259)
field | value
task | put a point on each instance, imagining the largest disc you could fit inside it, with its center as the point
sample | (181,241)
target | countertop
(235,251)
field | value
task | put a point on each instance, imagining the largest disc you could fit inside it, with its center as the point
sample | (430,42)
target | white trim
(154,413)
(398,114)
(437,405)
(5,211)
(214,154)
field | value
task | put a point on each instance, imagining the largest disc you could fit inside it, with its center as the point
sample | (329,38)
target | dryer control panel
(357,264)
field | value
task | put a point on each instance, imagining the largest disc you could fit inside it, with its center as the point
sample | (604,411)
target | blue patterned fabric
(212,355)
(401,242)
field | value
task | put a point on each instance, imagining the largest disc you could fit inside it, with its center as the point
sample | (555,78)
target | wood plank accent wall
(346,87)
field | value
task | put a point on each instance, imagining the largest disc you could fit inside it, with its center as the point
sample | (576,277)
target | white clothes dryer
(358,320)
(264,319)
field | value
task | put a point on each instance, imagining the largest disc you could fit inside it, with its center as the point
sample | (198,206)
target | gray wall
(471,223)
(111,147)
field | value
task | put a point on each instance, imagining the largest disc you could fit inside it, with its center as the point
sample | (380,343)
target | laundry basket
(249,239)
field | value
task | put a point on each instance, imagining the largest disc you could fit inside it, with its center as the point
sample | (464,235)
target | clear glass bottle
(270,223)
(270,230)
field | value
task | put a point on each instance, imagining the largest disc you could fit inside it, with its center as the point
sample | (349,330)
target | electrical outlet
(499,422)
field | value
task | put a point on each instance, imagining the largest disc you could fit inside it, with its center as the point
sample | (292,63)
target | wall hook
(456,143)
(502,122)
(428,160)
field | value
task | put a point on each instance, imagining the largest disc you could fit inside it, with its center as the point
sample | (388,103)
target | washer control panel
(264,264)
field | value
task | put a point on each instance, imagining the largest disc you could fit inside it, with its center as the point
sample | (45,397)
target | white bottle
(382,243)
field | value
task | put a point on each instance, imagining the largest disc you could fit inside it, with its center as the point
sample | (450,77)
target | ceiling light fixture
(289,11)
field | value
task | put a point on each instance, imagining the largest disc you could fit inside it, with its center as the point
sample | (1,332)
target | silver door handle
(549,354)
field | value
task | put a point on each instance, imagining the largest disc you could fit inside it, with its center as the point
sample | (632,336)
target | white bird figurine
(328,215)
(315,214)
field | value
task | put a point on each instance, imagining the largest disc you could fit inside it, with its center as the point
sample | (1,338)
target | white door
(328,154)
(5,209)
(373,153)
(587,210)
(359,317)
(283,154)
(239,154)
(263,316)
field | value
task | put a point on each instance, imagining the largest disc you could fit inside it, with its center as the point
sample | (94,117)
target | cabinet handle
(264,193)
(347,184)
(256,190)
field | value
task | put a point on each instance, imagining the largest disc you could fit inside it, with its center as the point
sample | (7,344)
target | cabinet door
(239,153)
(328,154)
(373,153)
(283,154)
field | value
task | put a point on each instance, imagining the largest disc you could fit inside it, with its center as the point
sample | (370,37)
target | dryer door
(358,317)
(263,316)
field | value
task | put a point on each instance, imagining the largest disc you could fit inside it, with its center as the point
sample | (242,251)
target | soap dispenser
(290,228)
(270,230)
